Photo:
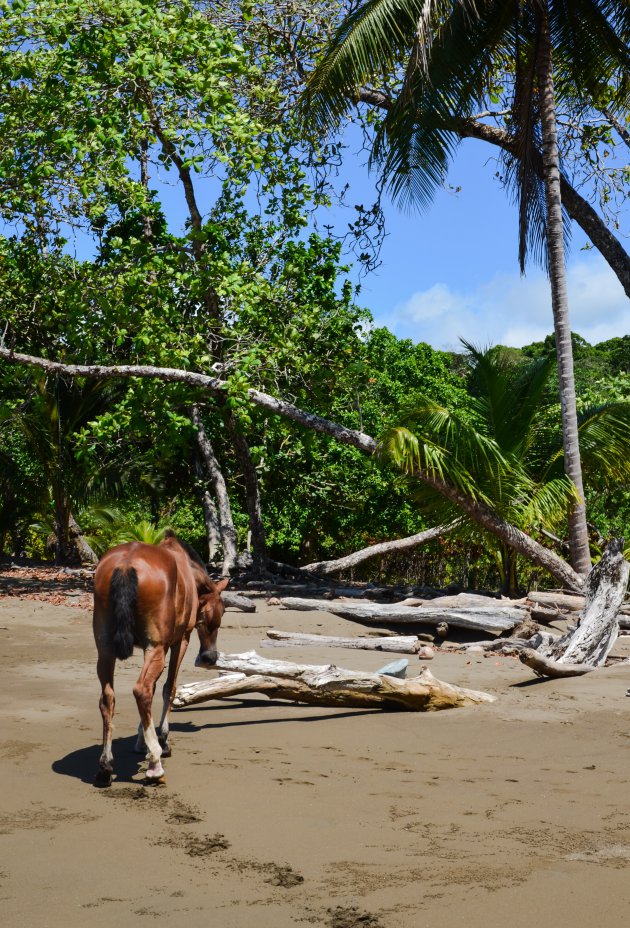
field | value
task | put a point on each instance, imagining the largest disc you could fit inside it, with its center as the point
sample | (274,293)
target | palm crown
(506,451)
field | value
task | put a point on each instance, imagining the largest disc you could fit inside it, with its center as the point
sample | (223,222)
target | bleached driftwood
(463,601)
(402,644)
(486,619)
(546,667)
(555,600)
(327,685)
(590,643)
(237,601)
(568,602)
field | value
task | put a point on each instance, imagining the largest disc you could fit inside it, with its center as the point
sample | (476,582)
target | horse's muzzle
(207,658)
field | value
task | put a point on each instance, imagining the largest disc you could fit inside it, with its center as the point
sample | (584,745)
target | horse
(151,597)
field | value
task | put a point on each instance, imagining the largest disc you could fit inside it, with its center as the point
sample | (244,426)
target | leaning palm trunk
(578,532)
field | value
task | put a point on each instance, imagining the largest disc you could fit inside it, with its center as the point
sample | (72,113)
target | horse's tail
(123,598)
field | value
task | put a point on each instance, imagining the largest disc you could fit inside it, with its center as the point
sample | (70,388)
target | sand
(275,815)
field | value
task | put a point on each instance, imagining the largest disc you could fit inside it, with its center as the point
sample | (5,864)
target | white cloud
(513,310)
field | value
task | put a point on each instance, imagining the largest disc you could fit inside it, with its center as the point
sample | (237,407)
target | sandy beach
(276,815)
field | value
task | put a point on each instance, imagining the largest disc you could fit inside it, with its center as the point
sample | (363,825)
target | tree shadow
(83,764)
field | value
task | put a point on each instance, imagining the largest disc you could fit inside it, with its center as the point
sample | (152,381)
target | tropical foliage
(508,451)
(161,204)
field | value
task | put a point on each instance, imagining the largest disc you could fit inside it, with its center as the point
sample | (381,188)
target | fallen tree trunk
(327,685)
(384,547)
(401,644)
(486,619)
(479,512)
(588,644)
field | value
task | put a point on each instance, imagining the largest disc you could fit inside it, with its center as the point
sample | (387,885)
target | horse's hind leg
(107,704)
(153,666)
(168,693)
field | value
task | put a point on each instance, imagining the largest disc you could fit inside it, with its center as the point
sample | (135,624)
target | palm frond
(604,433)
(546,505)
(143,531)
(508,396)
(416,140)
(437,441)
(372,39)
(590,39)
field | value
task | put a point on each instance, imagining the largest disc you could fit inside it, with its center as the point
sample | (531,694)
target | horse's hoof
(154,781)
(103,779)
(166,750)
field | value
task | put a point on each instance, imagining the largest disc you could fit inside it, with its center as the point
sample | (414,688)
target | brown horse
(151,597)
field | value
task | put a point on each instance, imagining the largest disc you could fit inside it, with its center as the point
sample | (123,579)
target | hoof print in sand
(284,876)
(204,847)
(352,918)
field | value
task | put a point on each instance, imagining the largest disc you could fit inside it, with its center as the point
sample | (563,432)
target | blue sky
(452,272)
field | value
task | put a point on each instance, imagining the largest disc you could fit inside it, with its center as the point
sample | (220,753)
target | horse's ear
(221,584)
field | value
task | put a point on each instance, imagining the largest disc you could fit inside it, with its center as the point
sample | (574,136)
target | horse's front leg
(168,693)
(154,661)
(107,704)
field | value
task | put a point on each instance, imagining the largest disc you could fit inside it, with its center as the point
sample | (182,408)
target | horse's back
(135,589)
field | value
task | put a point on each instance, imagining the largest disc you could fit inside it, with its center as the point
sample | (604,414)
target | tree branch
(480,513)
(384,547)
(579,209)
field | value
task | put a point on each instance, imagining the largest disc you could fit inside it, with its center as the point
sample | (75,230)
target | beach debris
(238,601)
(403,644)
(327,685)
(586,645)
(395,669)
(494,616)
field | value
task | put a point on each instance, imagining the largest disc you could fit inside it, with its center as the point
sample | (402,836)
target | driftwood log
(237,601)
(571,602)
(494,618)
(402,644)
(327,685)
(546,667)
(588,644)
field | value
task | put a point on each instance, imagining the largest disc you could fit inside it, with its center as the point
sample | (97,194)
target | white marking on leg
(107,757)
(154,752)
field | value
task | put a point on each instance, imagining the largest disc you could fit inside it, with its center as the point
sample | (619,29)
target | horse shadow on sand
(83,763)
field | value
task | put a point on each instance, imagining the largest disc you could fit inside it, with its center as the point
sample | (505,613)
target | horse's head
(209,614)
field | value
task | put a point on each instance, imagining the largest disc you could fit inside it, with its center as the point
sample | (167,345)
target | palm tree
(506,451)
(50,419)
(450,53)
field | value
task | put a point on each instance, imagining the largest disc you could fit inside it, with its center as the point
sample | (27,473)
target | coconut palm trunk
(578,532)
